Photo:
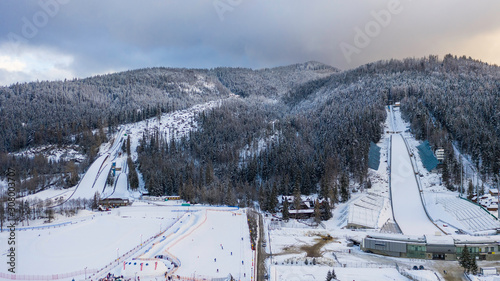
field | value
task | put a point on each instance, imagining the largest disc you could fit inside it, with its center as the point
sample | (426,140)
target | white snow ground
(304,273)
(88,242)
(94,241)
(219,245)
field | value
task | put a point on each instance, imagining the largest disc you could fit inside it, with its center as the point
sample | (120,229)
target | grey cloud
(119,35)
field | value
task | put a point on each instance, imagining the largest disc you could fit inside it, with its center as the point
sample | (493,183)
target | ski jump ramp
(409,211)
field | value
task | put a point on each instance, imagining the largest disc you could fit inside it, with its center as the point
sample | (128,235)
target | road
(261,252)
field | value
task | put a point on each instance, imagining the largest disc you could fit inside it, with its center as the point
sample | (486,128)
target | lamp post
(141,239)
(117,256)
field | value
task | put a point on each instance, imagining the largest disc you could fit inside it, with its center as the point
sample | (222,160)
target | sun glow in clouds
(11,64)
(33,63)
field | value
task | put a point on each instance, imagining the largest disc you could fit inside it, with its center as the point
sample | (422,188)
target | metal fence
(88,272)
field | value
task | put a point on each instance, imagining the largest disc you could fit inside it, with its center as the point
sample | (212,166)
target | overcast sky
(58,39)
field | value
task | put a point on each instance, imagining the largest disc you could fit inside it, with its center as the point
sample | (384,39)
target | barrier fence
(88,272)
(408,274)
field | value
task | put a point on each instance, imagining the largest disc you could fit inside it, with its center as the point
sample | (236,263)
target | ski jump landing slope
(409,212)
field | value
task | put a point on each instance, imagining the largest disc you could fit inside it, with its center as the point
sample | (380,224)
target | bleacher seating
(471,216)
(365,211)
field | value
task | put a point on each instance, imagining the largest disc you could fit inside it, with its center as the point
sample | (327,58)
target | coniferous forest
(302,128)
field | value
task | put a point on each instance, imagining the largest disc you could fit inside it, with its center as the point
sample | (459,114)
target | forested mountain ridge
(319,132)
(85,111)
(273,82)
(54,112)
(49,112)
(302,128)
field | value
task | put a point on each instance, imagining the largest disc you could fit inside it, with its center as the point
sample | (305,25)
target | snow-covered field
(218,246)
(88,242)
(305,273)
(93,241)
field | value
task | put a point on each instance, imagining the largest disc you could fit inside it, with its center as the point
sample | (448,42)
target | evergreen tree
(470,190)
(324,190)
(72,174)
(285,212)
(133,178)
(27,211)
(209,173)
(344,188)
(230,198)
(329,276)
(317,212)
(272,200)
(326,212)
(333,195)
(445,174)
(2,215)
(334,276)
(262,199)
(297,200)
(95,202)
(465,259)
(111,179)
(128,145)
(50,214)
(473,265)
